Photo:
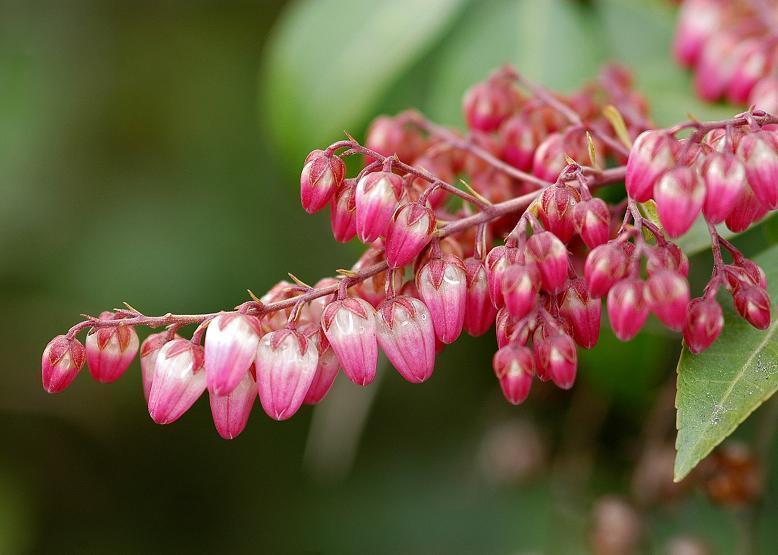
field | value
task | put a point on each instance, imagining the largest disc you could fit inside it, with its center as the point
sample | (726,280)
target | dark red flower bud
(704,323)
(582,312)
(343,212)
(479,310)
(556,211)
(753,304)
(557,357)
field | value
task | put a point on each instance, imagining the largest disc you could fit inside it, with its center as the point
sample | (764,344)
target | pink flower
(479,310)
(679,196)
(149,350)
(759,152)
(488,104)
(556,211)
(627,310)
(231,412)
(747,210)
(549,159)
(604,266)
(343,212)
(667,257)
(650,157)
(230,347)
(753,304)
(764,95)
(442,285)
(582,312)
(751,64)
(376,198)
(725,179)
(667,295)
(716,66)
(497,261)
(179,380)
(407,337)
(390,135)
(520,138)
(698,21)
(550,256)
(557,357)
(286,364)
(514,367)
(520,285)
(327,366)
(110,350)
(592,220)
(704,323)
(349,325)
(320,178)
(62,360)
(410,229)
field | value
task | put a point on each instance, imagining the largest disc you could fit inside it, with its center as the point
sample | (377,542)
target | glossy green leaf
(697,239)
(720,387)
(331,60)
(525,33)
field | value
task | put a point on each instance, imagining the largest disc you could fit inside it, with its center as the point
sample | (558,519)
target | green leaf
(720,387)
(697,238)
(553,42)
(331,60)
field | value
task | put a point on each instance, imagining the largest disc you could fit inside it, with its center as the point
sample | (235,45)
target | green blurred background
(149,153)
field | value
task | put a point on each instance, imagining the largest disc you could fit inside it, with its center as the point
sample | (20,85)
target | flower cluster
(732,48)
(530,164)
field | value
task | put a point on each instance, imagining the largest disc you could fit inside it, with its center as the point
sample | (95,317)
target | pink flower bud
(667,257)
(442,285)
(488,104)
(230,347)
(514,367)
(759,152)
(349,325)
(650,157)
(320,178)
(627,310)
(316,306)
(409,232)
(110,350)
(592,221)
(751,64)
(549,159)
(747,210)
(376,198)
(716,66)
(327,366)
(725,179)
(679,195)
(390,135)
(550,255)
(343,212)
(698,21)
(497,261)
(604,266)
(557,357)
(231,412)
(407,337)
(179,380)
(704,323)
(479,310)
(286,364)
(582,312)
(520,138)
(62,360)
(753,304)
(149,350)
(667,295)
(520,285)
(556,211)
(754,272)
(509,329)
(764,95)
